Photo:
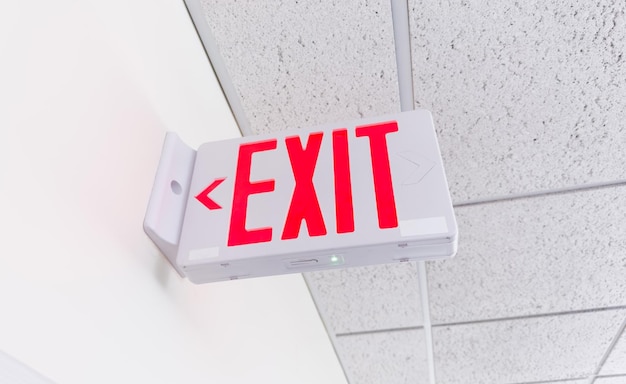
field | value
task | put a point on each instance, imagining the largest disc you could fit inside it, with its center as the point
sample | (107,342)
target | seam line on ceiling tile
(609,350)
(551,381)
(212,51)
(428,333)
(534,316)
(404,67)
(382,330)
(402,43)
(452,324)
(556,191)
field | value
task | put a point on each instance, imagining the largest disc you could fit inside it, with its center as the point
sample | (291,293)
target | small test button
(314,261)
(303,263)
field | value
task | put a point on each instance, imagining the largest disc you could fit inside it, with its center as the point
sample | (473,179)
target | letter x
(304,204)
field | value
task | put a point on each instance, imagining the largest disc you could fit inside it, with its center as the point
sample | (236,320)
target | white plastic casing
(192,220)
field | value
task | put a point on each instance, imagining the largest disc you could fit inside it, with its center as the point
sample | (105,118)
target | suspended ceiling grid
(529,100)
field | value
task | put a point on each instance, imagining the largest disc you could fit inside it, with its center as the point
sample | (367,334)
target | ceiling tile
(616,362)
(300,64)
(582,381)
(367,298)
(526,95)
(385,357)
(611,380)
(524,350)
(537,255)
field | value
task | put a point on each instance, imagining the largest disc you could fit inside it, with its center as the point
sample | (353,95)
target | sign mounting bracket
(166,209)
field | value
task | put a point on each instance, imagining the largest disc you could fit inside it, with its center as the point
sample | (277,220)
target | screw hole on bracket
(176,188)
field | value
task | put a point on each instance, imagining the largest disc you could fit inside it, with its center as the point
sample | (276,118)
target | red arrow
(204,198)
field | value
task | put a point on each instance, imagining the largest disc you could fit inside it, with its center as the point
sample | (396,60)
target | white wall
(87,91)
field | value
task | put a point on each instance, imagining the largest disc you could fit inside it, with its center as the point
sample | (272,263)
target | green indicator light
(334,259)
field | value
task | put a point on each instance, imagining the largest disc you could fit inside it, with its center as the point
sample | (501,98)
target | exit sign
(357,193)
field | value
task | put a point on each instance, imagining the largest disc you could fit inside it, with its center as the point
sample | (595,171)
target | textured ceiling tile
(611,380)
(537,255)
(367,298)
(582,381)
(386,357)
(526,95)
(524,350)
(616,363)
(300,64)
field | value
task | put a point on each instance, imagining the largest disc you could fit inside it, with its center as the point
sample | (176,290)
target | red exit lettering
(304,205)
(385,201)
(237,233)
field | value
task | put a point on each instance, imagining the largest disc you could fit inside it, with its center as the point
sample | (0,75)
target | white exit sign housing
(364,192)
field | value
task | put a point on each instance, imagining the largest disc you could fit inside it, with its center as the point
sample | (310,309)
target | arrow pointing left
(204,198)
